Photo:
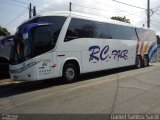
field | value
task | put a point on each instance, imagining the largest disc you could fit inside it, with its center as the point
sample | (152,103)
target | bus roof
(85,16)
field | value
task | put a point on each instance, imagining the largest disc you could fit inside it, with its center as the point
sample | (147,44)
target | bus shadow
(4,74)
(24,87)
(103,73)
(89,76)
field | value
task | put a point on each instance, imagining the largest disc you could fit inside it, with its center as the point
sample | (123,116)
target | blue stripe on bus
(153,52)
(27,27)
(24,67)
(152,46)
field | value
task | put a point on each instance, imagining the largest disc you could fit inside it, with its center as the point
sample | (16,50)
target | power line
(129,14)
(16,18)
(92,7)
(156,13)
(105,9)
(106,5)
(7,11)
(148,10)
(129,4)
(114,7)
(45,8)
(135,6)
(155,20)
(11,4)
(156,8)
(96,5)
(134,14)
(155,25)
(20,2)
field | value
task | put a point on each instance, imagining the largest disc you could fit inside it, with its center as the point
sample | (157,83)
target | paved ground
(115,91)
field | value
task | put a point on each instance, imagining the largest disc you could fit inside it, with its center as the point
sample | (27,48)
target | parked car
(5,50)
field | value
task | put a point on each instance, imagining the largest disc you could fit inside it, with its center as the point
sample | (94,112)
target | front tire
(70,73)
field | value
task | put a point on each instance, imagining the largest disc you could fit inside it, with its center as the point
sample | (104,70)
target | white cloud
(110,8)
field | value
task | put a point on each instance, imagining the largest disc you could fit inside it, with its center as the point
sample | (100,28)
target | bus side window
(121,32)
(101,30)
(80,28)
(45,37)
(70,35)
(42,41)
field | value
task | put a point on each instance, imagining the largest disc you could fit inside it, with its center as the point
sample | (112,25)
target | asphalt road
(116,91)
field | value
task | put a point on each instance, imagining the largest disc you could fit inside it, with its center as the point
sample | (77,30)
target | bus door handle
(61,55)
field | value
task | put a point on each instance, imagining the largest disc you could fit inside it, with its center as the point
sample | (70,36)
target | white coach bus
(69,44)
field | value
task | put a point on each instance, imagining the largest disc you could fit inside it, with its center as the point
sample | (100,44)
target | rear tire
(138,62)
(145,61)
(70,73)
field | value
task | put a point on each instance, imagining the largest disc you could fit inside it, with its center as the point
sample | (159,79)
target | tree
(122,19)
(4,31)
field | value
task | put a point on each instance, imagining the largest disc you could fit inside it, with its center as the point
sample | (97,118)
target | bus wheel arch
(71,70)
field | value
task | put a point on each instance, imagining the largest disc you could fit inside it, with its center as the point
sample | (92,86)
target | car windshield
(41,37)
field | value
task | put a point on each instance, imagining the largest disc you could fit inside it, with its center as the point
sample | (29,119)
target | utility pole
(30,10)
(34,11)
(148,13)
(70,6)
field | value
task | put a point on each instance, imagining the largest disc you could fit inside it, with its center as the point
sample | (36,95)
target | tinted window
(55,27)
(42,35)
(121,32)
(79,28)
(101,30)
(45,37)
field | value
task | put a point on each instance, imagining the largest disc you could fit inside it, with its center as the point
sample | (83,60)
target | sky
(14,12)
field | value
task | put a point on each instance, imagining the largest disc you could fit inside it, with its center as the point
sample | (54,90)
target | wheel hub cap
(70,73)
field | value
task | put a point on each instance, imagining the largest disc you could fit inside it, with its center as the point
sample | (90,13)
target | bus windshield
(41,36)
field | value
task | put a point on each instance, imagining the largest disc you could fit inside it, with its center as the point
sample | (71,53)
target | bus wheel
(138,62)
(145,61)
(70,73)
